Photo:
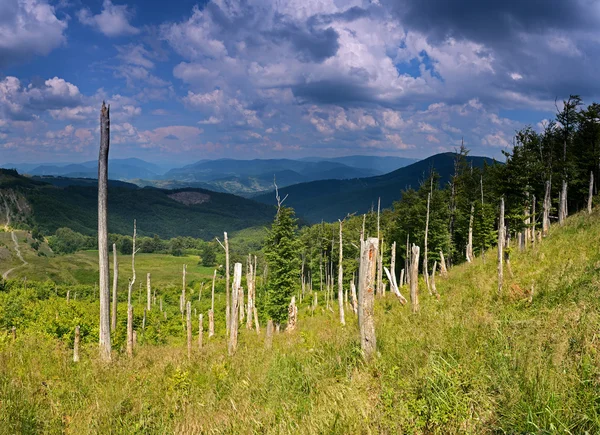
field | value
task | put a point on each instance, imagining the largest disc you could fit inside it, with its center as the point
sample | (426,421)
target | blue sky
(292,78)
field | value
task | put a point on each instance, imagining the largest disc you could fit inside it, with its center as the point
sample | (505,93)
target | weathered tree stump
(366,290)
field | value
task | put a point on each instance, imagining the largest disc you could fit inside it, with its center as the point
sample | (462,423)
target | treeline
(565,156)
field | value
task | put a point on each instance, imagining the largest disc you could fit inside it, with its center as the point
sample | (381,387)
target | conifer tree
(282,252)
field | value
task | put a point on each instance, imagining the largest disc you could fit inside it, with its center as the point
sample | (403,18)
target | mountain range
(330,200)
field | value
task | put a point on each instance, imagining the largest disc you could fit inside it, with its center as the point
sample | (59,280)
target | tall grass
(472,362)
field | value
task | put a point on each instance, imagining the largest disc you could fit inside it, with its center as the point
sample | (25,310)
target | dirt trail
(14,239)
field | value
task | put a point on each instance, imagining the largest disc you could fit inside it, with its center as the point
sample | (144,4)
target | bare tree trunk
(130,330)
(200,331)
(211,313)
(68,296)
(432,281)
(228,315)
(394,286)
(269,334)
(292,315)
(425,260)
(76,345)
(501,247)
(590,193)
(251,285)
(340,281)
(13,331)
(407,259)
(414,279)
(188,315)
(380,287)
(562,211)
(402,277)
(546,211)
(533,221)
(470,239)
(233,331)
(183,287)
(366,292)
(149,292)
(241,304)
(105,345)
(256,325)
(113,320)
(353,297)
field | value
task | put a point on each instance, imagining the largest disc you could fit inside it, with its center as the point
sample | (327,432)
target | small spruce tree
(282,252)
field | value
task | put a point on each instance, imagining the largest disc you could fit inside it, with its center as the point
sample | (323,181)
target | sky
(246,79)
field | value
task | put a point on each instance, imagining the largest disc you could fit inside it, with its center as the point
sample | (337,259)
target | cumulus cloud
(112,21)
(28,28)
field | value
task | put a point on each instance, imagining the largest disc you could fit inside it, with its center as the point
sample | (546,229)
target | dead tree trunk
(546,211)
(414,279)
(225,246)
(394,286)
(113,319)
(340,281)
(563,212)
(501,247)
(105,346)
(233,318)
(129,291)
(432,281)
(470,239)
(148,293)
(188,316)
(292,315)
(366,290)
(269,335)
(425,260)
(76,345)
(250,284)
(184,285)
(200,331)
(533,221)
(443,269)
(353,296)
(211,312)
(590,193)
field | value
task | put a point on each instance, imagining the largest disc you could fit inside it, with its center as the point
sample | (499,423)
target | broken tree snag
(432,281)
(546,211)
(393,264)
(183,298)
(501,247)
(129,330)
(113,319)
(225,246)
(256,321)
(533,222)
(353,296)
(366,295)
(562,211)
(149,292)
(414,279)
(105,346)
(211,323)
(188,316)
(380,286)
(402,278)
(425,259)
(292,315)
(590,193)
(200,331)
(443,268)
(470,239)
(394,286)
(407,259)
(269,335)
(233,318)
(76,345)
(250,285)
(340,281)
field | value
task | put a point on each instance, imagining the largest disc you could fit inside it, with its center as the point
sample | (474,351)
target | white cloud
(28,28)
(112,21)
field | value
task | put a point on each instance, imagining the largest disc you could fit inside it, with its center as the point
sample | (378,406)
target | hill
(471,362)
(167,213)
(380,164)
(330,200)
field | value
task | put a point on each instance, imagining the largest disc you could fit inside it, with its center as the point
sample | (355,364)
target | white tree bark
(233,331)
(103,268)
(340,280)
(470,239)
(443,269)
(113,319)
(394,286)
(366,293)
(130,332)
(188,316)
(292,315)
(501,247)
(432,281)
(414,279)
(200,331)
(76,345)
(353,296)
(563,211)
(425,259)
(590,193)
(546,211)
(148,292)
(250,284)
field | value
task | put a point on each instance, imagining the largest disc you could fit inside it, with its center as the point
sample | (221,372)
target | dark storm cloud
(331,92)
(492,21)
(311,45)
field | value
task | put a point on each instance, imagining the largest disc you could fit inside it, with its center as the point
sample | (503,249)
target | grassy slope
(469,363)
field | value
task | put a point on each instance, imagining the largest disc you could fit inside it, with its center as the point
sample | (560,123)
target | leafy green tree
(209,255)
(282,252)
